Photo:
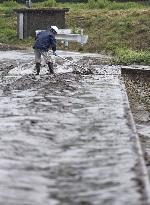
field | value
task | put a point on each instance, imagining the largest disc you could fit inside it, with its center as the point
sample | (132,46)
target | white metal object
(64,31)
(73,37)
(21,26)
(29,3)
(65,35)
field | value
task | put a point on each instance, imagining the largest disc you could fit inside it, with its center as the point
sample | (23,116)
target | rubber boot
(38,65)
(50,66)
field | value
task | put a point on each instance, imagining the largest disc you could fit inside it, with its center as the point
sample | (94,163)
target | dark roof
(41,10)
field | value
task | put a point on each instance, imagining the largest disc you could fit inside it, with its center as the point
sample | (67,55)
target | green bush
(122,6)
(8,12)
(9,3)
(7,35)
(97,4)
(49,3)
(128,56)
(106,4)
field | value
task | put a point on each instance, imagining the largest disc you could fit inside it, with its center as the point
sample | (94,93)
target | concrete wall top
(45,10)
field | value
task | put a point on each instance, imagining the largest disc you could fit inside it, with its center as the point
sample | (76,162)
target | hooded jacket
(45,40)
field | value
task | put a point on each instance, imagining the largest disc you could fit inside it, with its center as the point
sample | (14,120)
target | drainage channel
(68,139)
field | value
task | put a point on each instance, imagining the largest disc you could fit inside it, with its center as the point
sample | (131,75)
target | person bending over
(44,41)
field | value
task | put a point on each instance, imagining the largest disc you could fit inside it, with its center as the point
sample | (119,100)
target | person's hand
(54,53)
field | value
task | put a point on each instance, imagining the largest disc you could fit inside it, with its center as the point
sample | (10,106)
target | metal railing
(65,36)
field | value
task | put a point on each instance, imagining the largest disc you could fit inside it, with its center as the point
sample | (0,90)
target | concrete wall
(30,20)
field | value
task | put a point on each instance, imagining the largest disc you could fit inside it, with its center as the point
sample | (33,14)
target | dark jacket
(45,40)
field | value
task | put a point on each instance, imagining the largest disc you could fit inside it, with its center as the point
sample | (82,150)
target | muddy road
(66,138)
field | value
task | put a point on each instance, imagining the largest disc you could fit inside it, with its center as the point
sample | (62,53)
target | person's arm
(53,43)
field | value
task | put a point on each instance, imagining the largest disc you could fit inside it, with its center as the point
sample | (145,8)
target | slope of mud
(6,47)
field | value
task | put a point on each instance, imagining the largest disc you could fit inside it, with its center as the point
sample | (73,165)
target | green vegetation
(115,31)
(118,29)
(127,56)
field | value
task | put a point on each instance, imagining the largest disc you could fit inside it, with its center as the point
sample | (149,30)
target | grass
(128,56)
(119,29)
(111,30)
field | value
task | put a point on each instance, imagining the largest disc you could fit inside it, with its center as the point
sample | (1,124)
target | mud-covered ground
(66,138)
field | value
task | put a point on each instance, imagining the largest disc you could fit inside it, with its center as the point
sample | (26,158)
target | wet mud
(6,47)
(65,138)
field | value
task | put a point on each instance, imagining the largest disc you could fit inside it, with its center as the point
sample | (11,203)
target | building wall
(36,19)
